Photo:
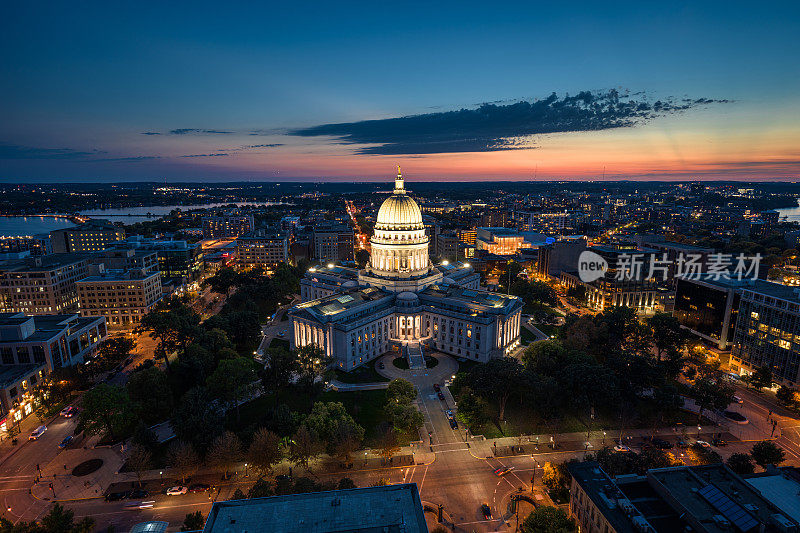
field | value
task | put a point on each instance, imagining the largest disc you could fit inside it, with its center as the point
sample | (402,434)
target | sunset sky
(206,91)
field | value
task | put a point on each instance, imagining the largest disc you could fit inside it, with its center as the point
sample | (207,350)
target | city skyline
(448,92)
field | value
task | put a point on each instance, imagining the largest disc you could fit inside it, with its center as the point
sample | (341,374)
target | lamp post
(365,458)
(161,473)
(698,432)
(245,470)
(604,438)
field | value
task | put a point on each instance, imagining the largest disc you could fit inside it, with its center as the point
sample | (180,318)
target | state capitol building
(402,301)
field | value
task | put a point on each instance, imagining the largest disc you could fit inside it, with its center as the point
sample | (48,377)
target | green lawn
(366,407)
(363,374)
(519,420)
(279,343)
(527,335)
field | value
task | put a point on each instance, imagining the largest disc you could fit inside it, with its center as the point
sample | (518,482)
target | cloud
(127,159)
(204,155)
(492,126)
(271,145)
(186,131)
(151,133)
(13,151)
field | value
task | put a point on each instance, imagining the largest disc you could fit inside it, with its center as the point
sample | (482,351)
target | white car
(621,448)
(38,432)
(177,491)
(738,399)
(703,443)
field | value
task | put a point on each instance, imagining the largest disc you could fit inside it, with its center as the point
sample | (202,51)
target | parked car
(177,491)
(69,411)
(738,399)
(116,496)
(661,444)
(453,423)
(449,413)
(440,395)
(486,511)
(381,365)
(137,493)
(621,448)
(703,443)
(66,442)
(436,387)
(38,432)
(199,487)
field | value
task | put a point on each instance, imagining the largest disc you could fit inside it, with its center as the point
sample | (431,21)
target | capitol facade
(401,301)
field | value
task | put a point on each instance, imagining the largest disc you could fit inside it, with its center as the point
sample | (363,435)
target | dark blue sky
(236,82)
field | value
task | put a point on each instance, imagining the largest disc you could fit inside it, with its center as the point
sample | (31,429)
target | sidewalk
(26,427)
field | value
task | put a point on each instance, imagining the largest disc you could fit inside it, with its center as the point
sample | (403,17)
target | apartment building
(42,285)
(121,297)
(177,260)
(262,249)
(227,226)
(91,236)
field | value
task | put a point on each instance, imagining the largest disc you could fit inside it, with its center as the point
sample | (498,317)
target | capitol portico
(402,301)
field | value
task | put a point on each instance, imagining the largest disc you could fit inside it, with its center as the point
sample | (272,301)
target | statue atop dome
(399,185)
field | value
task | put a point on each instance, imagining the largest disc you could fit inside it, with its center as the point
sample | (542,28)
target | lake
(792,214)
(22,226)
(131,215)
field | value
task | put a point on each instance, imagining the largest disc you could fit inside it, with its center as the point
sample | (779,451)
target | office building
(391,508)
(122,258)
(122,297)
(702,499)
(447,245)
(332,242)
(42,285)
(31,347)
(91,236)
(227,226)
(177,260)
(34,245)
(262,249)
(560,256)
(708,308)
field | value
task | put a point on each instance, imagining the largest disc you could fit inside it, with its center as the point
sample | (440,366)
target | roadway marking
(423,479)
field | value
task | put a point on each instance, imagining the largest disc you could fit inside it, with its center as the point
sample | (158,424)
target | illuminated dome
(399,211)
(399,243)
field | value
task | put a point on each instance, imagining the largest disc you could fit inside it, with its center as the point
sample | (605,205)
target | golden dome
(399,211)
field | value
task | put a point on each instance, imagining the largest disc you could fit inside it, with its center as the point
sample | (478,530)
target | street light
(698,432)
(365,458)
(245,470)
(161,473)
(604,438)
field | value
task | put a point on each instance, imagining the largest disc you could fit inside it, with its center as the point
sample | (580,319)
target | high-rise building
(91,236)
(177,260)
(333,242)
(708,308)
(560,256)
(227,226)
(42,285)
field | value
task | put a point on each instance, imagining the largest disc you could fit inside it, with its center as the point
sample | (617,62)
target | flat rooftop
(48,262)
(46,326)
(781,488)
(760,286)
(491,300)
(387,509)
(340,302)
(116,275)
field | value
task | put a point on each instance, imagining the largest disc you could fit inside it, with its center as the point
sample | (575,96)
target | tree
(313,366)
(326,420)
(225,452)
(144,436)
(404,417)
(260,489)
(546,519)
(703,456)
(231,381)
(555,476)
(264,451)
(223,280)
(173,324)
(182,457)
(238,495)
(401,391)
(362,258)
(196,420)
(472,409)
(139,460)
(113,350)
(741,463)
(767,453)
(346,440)
(711,393)
(106,408)
(280,367)
(149,392)
(304,447)
(346,483)
(668,335)
(387,441)
(760,378)
(786,395)
(497,379)
(58,520)
(193,521)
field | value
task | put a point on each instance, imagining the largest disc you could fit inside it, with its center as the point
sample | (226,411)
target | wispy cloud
(204,155)
(187,131)
(131,159)
(14,151)
(151,133)
(492,126)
